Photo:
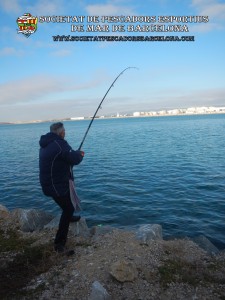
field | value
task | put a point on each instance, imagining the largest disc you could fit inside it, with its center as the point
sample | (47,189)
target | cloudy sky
(41,79)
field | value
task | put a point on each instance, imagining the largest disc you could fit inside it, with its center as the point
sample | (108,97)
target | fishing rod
(101,104)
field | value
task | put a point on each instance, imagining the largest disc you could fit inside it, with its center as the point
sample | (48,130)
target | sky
(42,79)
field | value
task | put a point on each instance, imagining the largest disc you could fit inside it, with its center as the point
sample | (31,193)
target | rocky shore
(109,263)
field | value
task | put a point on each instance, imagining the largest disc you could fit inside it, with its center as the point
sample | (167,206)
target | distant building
(173,112)
(77,118)
(136,114)
(162,112)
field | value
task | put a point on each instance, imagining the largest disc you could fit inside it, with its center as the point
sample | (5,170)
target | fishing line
(89,126)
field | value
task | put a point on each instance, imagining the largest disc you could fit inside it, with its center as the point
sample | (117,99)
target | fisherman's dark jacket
(56,159)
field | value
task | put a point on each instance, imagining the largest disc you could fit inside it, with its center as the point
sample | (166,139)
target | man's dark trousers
(67,212)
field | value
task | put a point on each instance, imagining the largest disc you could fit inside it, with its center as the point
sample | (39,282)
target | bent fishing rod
(89,126)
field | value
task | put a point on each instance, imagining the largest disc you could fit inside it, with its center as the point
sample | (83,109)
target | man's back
(56,158)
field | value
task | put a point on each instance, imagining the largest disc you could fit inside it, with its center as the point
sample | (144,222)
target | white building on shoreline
(182,111)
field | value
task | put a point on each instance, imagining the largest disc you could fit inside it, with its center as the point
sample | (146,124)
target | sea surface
(163,170)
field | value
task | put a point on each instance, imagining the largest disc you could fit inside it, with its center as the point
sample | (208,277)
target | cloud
(8,51)
(205,27)
(39,111)
(211,94)
(65,107)
(27,89)
(207,97)
(214,10)
(211,8)
(46,7)
(10,6)
(108,10)
(62,53)
(41,7)
(34,89)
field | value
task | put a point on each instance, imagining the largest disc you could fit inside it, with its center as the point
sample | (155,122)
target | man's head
(58,128)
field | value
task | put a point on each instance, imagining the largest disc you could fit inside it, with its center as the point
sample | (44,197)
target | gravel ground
(176,269)
(124,266)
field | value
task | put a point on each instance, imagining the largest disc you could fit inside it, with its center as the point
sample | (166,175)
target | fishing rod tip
(133,68)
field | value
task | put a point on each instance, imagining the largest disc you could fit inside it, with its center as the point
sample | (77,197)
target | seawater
(164,170)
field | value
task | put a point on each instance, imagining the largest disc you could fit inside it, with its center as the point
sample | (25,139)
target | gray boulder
(3,208)
(98,231)
(205,244)
(148,232)
(4,212)
(76,229)
(80,228)
(30,219)
(54,223)
(98,292)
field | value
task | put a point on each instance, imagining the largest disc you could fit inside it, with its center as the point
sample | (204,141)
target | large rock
(3,208)
(124,271)
(206,245)
(30,219)
(99,230)
(80,228)
(98,292)
(149,232)
(4,212)
(76,228)
(54,223)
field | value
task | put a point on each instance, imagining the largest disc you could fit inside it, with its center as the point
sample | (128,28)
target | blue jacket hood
(48,138)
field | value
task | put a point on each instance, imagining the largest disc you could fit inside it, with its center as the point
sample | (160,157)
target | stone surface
(98,292)
(80,228)
(54,223)
(30,219)
(205,244)
(101,230)
(124,271)
(149,232)
(76,228)
(3,208)
(73,277)
(4,212)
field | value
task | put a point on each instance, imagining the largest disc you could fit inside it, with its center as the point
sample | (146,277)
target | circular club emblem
(27,24)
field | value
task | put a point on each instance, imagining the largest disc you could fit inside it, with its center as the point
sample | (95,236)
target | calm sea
(164,170)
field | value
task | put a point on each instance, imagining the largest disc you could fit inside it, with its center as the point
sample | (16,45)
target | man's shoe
(75,219)
(61,250)
(69,252)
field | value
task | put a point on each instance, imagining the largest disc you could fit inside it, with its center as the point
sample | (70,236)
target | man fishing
(56,159)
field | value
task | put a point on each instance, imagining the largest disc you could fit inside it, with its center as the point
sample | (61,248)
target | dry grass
(21,262)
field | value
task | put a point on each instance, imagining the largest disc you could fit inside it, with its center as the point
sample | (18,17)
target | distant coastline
(203,110)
